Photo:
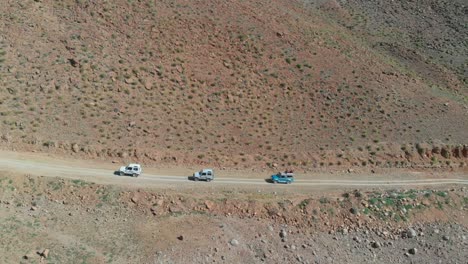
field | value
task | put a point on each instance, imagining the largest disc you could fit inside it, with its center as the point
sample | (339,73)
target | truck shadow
(268,180)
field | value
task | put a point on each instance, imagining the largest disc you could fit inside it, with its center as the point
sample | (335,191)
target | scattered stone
(413,251)
(426,203)
(283,233)
(209,205)
(73,62)
(376,244)
(181,238)
(410,233)
(148,84)
(234,242)
(34,208)
(30,255)
(45,253)
(446,238)
(174,209)
(75,147)
(354,210)
(129,80)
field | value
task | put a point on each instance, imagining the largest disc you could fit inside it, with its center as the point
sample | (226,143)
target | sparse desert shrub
(324,200)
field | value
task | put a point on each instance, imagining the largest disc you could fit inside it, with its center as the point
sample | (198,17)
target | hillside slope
(427,37)
(227,83)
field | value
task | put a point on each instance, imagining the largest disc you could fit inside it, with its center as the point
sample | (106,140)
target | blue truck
(283,177)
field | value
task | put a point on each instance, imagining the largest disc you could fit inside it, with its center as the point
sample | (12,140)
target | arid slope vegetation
(228,83)
(427,37)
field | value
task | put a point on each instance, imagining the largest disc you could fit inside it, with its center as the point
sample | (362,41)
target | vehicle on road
(131,169)
(205,174)
(283,177)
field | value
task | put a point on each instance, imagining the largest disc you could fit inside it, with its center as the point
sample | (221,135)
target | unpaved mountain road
(45,165)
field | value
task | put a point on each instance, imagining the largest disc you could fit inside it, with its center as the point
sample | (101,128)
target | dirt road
(100,172)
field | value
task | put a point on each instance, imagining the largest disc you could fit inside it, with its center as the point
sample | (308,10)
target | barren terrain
(56,220)
(366,100)
(56,210)
(237,84)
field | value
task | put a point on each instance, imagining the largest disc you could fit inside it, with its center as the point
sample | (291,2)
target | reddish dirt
(238,84)
(352,88)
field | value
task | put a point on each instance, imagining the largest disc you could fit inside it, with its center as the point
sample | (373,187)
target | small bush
(324,200)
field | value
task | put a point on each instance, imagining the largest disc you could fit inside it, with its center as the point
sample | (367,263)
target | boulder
(75,147)
(375,244)
(209,205)
(283,233)
(234,242)
(410,233)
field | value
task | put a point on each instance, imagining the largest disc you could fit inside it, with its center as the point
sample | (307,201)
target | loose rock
(283,233)
(410,233)
(45,253)
(234,242)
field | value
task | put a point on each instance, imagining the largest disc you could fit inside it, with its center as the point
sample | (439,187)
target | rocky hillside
(427,37)
(236,83)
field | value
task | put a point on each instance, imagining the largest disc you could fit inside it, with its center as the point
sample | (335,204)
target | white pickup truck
(131,169)
(205,174)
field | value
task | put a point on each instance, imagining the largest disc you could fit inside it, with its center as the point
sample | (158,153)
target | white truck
(205,174)
(131,169)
